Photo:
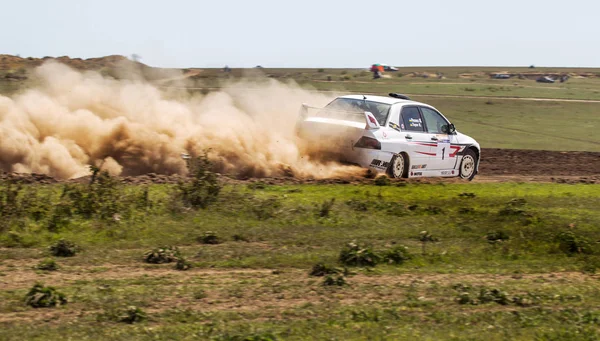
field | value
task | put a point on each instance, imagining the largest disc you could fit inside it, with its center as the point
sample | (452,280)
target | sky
(308,33)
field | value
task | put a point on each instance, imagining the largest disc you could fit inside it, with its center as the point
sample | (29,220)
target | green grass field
(499,261)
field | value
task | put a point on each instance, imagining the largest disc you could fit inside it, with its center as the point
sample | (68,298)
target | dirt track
(497,165)
(538,163)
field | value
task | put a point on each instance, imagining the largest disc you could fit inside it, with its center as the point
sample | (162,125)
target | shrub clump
(321,269)
(209,237)
(266,208)
(485,295)
(497,237)
(47,264)
(131,314)
(354,254)
(40,296)
(570,243)
(325,208)
(183,265)
(165,254)
(382,180)
(64,248)
(331,280)
(240,238)
(358,205)
(204,187)
(396,255)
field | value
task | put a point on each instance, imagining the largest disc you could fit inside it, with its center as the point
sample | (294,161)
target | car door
(420,146)
(444,145)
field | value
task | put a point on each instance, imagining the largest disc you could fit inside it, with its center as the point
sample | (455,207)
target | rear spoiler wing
(372,122)
(370,119)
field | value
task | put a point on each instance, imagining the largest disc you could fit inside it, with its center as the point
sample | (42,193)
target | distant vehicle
(383,67)
(545,79)
(502,76)
(394,134)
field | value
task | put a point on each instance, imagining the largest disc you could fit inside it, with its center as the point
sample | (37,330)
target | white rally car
(391,134)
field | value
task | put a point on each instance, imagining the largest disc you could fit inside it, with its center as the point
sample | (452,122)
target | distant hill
(9,62)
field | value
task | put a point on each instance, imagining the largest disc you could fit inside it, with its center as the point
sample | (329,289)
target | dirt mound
(27,178)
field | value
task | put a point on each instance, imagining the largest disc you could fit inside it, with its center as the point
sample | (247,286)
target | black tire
(468,165)
(398,167)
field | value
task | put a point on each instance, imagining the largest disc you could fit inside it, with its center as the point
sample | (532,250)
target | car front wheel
(468,165)
(398,167)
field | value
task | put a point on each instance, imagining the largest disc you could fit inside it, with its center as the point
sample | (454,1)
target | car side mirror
(451,128)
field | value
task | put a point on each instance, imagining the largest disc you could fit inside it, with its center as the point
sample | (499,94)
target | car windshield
(353,109)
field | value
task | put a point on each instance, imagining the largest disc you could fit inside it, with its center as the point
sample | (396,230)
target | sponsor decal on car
(447,172)
(415,122)
(418,166)
(395,126)
(379,164)
(416,173)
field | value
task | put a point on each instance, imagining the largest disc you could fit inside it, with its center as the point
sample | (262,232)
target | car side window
(434,121)
(411,119)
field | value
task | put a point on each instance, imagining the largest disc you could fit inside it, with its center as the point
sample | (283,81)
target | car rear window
(411,119)
(353,109)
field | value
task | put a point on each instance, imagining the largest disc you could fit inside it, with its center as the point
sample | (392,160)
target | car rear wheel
(398,167)
(468,165)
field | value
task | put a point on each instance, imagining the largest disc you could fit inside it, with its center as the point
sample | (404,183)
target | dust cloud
(73,119)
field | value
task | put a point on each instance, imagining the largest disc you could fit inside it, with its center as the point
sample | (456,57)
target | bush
(590,264)
(354,254)
(101,198)
(166,254)
(60,217)
(325,208)
(466,210)
(485,295)
(496,237)
(240,238)
(358,205)
(257,185)
(266,208)
(47,264)
(397,255)
(382,180)
(182,265)
(209,237)
(426,237)
(131,314)
(570,243)
(64,248)
(321,269)
(204,187)
(330,280)
(40,296)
